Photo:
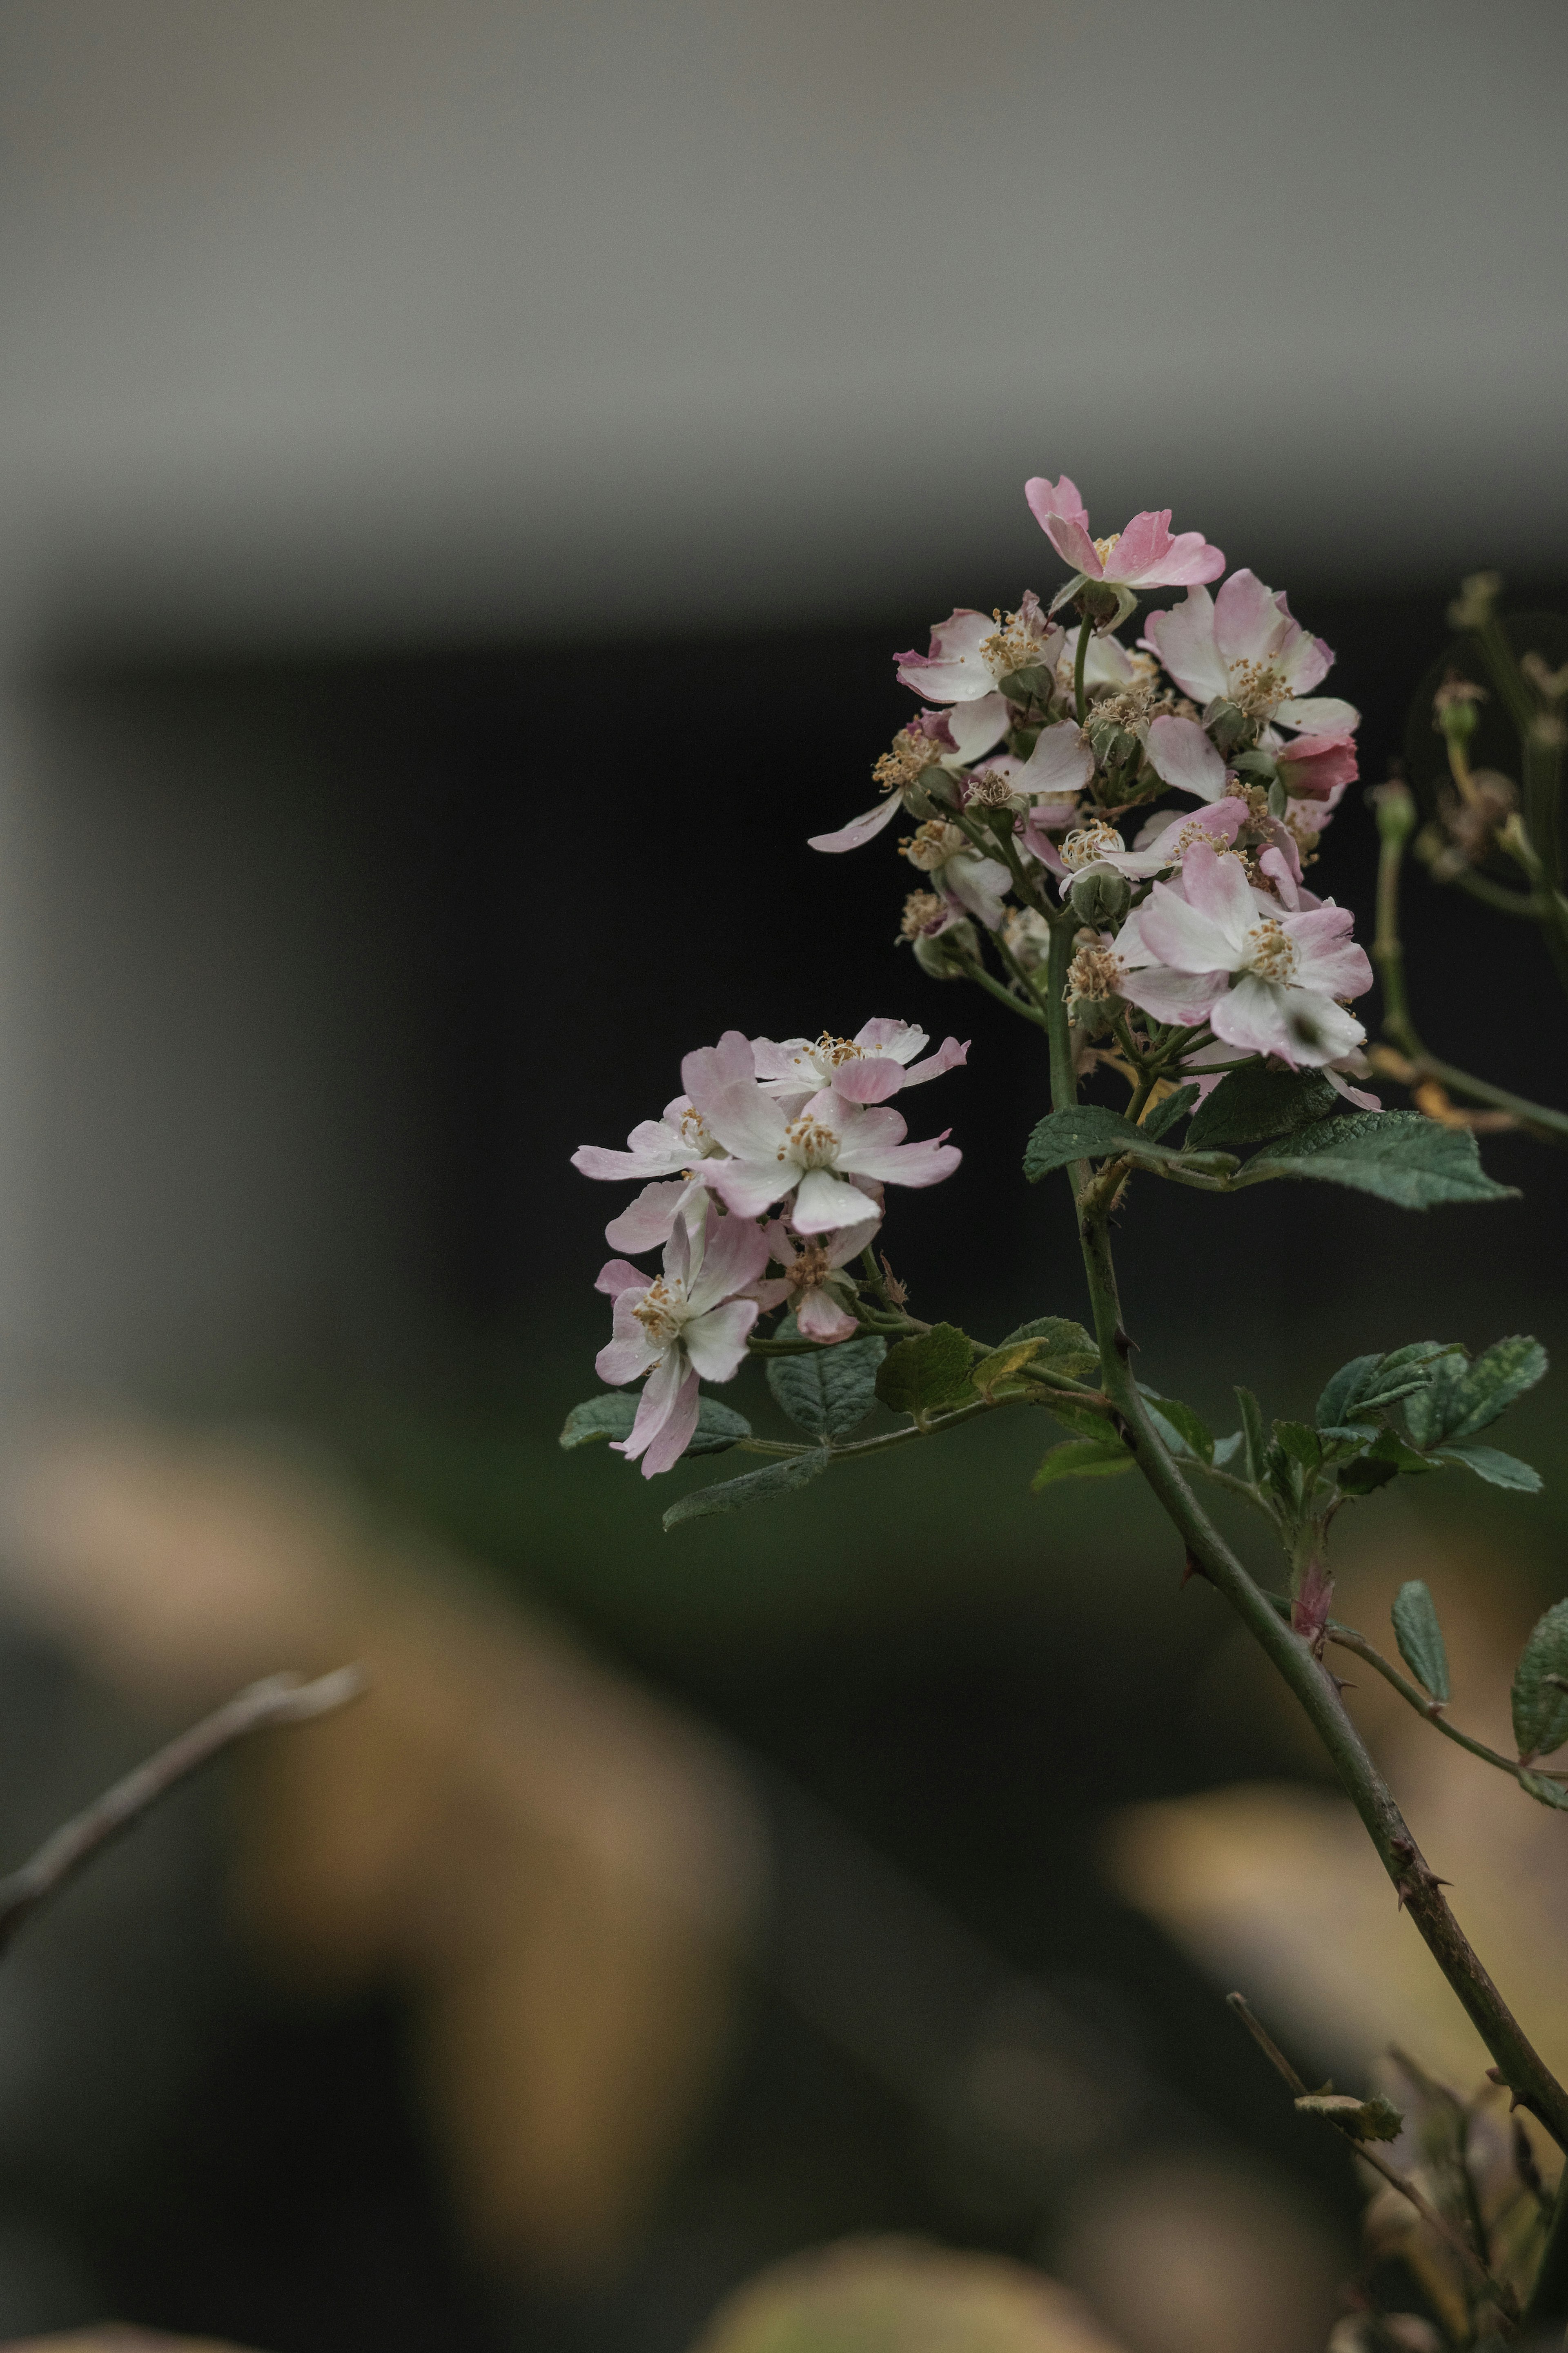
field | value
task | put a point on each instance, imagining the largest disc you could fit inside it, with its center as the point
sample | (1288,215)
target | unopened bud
(920,801)
(1393,805)
(1279,797)
(1096,602)
(940,954)
(1100,896)
(1030,683)
(1472,609)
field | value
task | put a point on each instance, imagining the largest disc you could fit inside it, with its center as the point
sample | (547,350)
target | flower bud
(1472,609)
(1393,805)
(1031,682)
(921,802)
(1096,602)
(938,954)
(1100,896)
(1228,725)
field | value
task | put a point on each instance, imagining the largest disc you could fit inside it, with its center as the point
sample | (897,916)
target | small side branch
(281,1699)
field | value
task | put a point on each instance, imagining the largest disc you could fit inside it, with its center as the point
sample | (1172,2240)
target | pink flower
(875,1063)
(1312,766)
(1182,757)
(1265,981)
(1144,556)
(960,736)
(970,651)
(831,1155)
(687,1325)
(1244,645)
(672,1147)
(807,1282)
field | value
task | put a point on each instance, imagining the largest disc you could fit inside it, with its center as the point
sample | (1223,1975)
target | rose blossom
(940,741)
(1144,556)
(1246,646)
(807,1282)
(877,1062)
(686,1324)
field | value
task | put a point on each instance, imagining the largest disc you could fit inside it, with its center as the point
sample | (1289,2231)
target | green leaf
(1088,1132)
(757,1487)
(1082,1457)
(1370,1384)
(1065,1346)
(1083,1421)
(1254,1105)
(1539,1708)
(1226,1449)
(1180,1427)
(917,1376)
(1364,1476)
(1252,1432)
(1301,1443)
(1470,1397)
(830,1392)
(1169,1110)
(1395,1155)
(1545,1792)
(1420,1638)
(611,1416)
(1488,1462)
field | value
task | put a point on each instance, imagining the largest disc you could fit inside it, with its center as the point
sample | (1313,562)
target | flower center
(1090,841)
(1096,971)
(987,789)
(809,1143)
(1255,688)
(661,1311)
(1103,548)
(1018,641)
(911,755)
(1270,952)
(933,844)
(833,1050)
(698,1136)
(811,1269)
(924,913)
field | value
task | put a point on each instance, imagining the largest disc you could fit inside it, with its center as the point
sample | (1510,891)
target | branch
(1347,1638)
(281,1699)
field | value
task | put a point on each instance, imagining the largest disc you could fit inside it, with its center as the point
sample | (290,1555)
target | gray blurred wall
(364,322)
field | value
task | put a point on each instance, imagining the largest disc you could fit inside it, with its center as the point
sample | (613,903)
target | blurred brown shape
(558,1871)
(1275,1889)
(902,2296)
(115,2337)
(1185,2255)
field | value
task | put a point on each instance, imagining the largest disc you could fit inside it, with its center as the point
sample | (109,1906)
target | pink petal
(735,1254)
(1247,620)
(745,1120)
(1047,498)
(1190,559)
(1323,715)
(973,727)
(823,1202)
(954,670)
(820,1317)
(1061,762)
(949,1056)
(1145,541)
(871,1079)
(716,1342)
(1073,544)
(646,1222)
(1184,640)
(859,829)
(747,1188)
(1182,997)
(1182,757)
(1215,884)
(1184,936)
(666,1417)
(617,1276)
(1252,1016)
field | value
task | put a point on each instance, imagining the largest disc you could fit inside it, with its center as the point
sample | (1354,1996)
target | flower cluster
(1033,778)
(776,1155)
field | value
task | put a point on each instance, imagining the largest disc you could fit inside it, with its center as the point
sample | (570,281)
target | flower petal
(823,1201)
(716,1342)
(1182,997)
(1184,936)
(1182,757)
(1061,762)
(1184,640)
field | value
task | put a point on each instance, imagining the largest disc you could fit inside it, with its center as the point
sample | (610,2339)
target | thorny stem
(1345,1637)
(1519,2065)
(281,1699)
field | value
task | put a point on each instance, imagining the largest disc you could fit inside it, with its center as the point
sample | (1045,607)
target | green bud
(938,954)
(1226,724)
(1278,798)
(1256,764)
(1100,896)
(920,801)
(1031,682)
(1096,602)
(1457,720)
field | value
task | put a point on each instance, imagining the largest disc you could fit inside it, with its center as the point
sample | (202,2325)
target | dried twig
(281,1699)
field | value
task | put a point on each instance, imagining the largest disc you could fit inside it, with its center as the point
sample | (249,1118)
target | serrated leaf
(1366,1475)
(1171,1108)
(1332,1405)
(1253,1438)
(1372,1383)
(1083,1421)
(1226,1449)
(1082,1457)
(1301,1443)
(917,1376)
(1065,1346)
(1088,1132)
(1539,1708)
(756,1487)
(1340,1434)
(1177,1421)
(1489,1462)
(1253,1106)
(611,1415)
(1397,1156)
(1479,1393)
(1420,1638)
(830,1392)
(1544,1792)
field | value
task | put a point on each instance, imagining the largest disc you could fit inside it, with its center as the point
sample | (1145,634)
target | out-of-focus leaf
(1301,1443)
(1082,1457)
(1540,1706)
(1163,1115)
(1252,1432)
(1464,1399)
(1420,1638)
(757,1487)
(1373,2119)
(1182,1431)
(830,1392)
(917,1376)
(1396,1155)
(1370,1384)
(611,1416)
(1253,1106)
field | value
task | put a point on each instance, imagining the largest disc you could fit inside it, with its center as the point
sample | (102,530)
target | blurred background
(463,471)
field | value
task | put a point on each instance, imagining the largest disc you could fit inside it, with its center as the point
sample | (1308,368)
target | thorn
(1124,1346)
(1193,1566)
(1341,1682)
(1404,1845)
(1403,1890)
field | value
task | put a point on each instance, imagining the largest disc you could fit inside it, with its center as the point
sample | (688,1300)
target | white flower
(684,1325)
(1244,645)
(939,743)
(877,1062)
(807,1281)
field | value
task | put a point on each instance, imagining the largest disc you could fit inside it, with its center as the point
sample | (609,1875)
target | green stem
(976,972)
(1085,630)
(1345,1637)
(1519,2065)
